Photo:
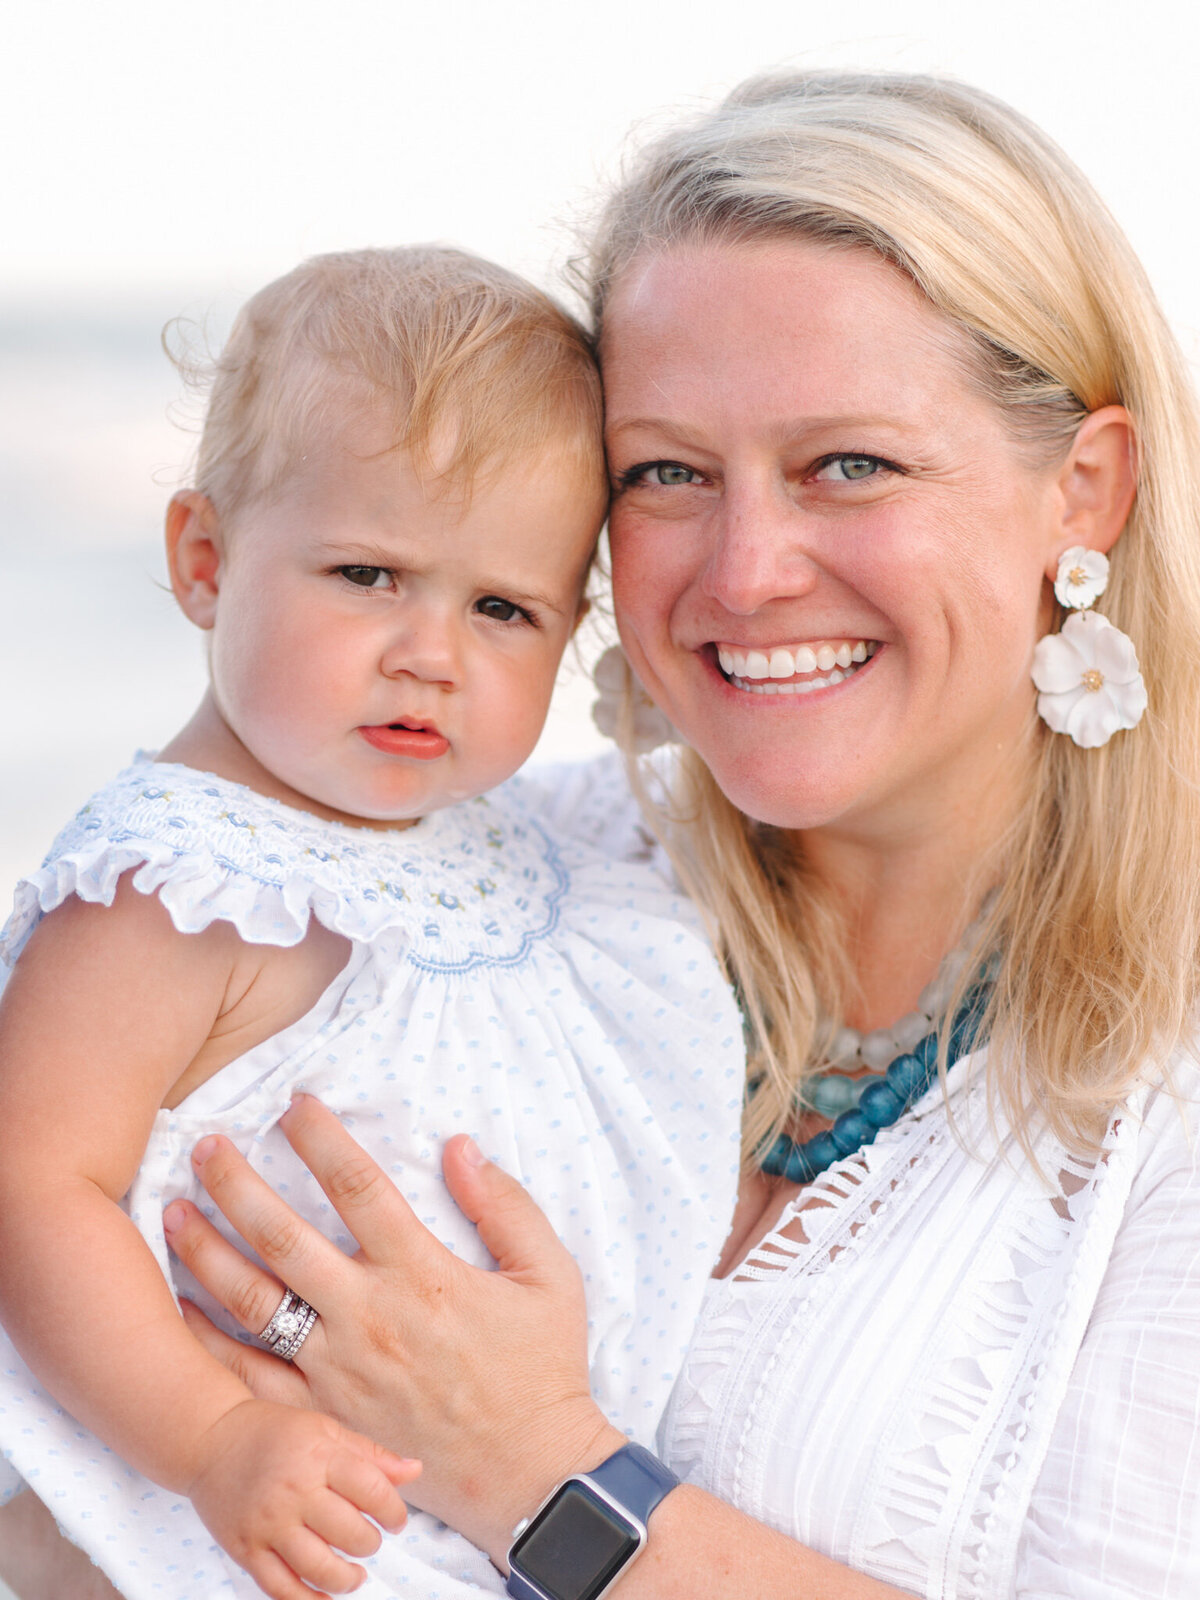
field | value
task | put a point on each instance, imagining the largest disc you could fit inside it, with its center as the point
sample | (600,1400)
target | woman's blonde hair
(1096,915)
(455,347)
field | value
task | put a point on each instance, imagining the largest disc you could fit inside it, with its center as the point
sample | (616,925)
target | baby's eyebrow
(394,560)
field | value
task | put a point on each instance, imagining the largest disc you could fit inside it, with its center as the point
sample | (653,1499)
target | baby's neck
(208,744)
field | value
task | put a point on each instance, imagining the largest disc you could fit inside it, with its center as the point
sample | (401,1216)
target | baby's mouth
(794,668)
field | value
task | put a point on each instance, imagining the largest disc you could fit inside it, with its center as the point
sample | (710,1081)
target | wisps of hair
(1096,914)
(474,365)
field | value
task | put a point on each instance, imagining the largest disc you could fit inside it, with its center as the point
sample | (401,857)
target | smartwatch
(586,1532)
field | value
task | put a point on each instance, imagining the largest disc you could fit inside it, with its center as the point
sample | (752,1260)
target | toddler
(313,887)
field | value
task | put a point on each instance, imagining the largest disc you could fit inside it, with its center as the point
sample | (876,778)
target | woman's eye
(367,577)
(668,474)
(848,469)
(498,610)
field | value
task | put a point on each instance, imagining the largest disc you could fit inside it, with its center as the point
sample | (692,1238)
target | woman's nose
(758,553)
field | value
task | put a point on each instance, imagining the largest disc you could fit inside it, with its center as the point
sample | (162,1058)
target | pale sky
(209,146)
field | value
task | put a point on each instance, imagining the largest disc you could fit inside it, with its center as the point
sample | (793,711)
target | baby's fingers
(371,1484)
(275,1578)
(310,1558)
(343,1527)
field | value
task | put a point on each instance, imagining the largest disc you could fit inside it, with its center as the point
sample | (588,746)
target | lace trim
(471,886)
(951,1477)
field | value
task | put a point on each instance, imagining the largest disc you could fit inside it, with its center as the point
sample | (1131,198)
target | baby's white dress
(505,980)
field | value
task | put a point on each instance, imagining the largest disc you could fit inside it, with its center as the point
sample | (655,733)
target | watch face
(575,1546)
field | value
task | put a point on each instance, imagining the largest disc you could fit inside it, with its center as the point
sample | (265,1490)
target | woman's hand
(481,1375)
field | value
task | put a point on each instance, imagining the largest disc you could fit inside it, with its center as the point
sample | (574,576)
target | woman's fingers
(248,1293)
(300,1257)
(511,1224)
(361,1193)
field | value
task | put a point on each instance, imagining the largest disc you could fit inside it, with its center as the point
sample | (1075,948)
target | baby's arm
(106,1011)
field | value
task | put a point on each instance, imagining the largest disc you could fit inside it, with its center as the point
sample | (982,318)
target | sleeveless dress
(505,979)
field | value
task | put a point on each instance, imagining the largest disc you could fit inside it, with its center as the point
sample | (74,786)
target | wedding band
(287,1330)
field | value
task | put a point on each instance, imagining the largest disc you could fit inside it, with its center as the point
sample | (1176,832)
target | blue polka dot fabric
(508,979)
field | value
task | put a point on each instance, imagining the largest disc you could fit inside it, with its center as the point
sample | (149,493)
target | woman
(876,361)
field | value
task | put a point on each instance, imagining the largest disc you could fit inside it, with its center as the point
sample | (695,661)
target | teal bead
(851,1132)
(880,1104)
(822,1152)
(830,1096)
(908,1076)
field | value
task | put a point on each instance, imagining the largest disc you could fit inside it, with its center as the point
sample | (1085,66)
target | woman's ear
(195,550)
(1097,483)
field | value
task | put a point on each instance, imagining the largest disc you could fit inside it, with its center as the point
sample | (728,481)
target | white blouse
(959,1376)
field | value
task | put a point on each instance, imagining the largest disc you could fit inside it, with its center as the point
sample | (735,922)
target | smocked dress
(504,979)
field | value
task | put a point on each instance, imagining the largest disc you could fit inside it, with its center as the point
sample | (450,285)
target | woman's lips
(395,739)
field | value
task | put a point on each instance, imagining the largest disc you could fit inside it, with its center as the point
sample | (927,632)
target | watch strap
(635,1479)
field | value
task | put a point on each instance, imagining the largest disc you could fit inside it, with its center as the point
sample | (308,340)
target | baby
(398,493)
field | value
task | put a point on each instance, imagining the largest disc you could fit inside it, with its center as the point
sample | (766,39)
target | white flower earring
(1087,676)
(616,681)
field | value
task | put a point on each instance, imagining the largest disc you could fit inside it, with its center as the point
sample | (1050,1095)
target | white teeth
(836,676)
(806,659)
(784,661)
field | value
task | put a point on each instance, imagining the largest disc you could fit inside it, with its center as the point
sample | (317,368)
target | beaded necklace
(893,1068)
(884,1099)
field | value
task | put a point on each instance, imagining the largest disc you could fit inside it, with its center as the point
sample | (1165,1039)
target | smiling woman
(880,372)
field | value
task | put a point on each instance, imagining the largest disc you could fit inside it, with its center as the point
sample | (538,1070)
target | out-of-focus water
(95,660)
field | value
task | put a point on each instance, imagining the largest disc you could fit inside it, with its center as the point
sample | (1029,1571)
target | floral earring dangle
(1087,676)
(615,678)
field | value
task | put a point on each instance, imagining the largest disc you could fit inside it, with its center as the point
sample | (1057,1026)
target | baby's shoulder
(589,806)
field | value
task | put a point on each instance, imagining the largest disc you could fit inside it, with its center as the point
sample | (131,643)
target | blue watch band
(635,1479)
(631,1482)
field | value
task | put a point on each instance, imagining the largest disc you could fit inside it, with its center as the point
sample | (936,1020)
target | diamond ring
(292,1323)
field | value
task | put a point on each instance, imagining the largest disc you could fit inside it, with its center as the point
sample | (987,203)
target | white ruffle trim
(472,886)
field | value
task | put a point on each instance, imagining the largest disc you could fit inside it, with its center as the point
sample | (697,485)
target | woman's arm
(481,1374)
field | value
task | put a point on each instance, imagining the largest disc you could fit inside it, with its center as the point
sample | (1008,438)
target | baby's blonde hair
(1096,917)
(475,365)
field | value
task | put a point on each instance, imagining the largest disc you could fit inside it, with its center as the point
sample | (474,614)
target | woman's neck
(904,897)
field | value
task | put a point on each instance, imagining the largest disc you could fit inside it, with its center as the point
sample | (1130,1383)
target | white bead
(878,1049)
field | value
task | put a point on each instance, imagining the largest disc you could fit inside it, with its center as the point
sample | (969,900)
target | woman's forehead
(775,324)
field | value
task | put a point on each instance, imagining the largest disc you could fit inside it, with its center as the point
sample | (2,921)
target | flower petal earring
(622,697)
(1087,676)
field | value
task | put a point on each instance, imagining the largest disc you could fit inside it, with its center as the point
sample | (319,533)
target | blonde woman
(894,423)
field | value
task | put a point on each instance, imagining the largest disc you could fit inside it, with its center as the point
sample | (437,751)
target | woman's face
(828,555)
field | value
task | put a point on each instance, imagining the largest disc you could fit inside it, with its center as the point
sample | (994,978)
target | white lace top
(962,1380)
(506,979)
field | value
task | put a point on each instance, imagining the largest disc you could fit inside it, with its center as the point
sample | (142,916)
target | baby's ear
(195,550)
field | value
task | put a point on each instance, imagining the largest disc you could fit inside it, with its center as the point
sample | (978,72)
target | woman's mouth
(794,668)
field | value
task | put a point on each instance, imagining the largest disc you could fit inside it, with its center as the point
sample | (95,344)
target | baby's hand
(282,1490)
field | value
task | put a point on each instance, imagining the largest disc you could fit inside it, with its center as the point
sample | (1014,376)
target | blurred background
(164,159)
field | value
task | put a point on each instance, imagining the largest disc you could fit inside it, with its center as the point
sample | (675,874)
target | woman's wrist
(578,1443)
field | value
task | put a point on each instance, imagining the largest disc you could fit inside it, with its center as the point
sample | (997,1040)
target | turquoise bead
(832,1095)
(880,1104)
(851,1132)
(822,1152)
(908,1077)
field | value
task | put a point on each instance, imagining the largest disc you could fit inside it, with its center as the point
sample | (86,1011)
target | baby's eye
(668,474)
(367,577)
(846,468)
(497,609)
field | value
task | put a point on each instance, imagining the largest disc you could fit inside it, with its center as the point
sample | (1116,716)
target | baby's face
(384,648)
